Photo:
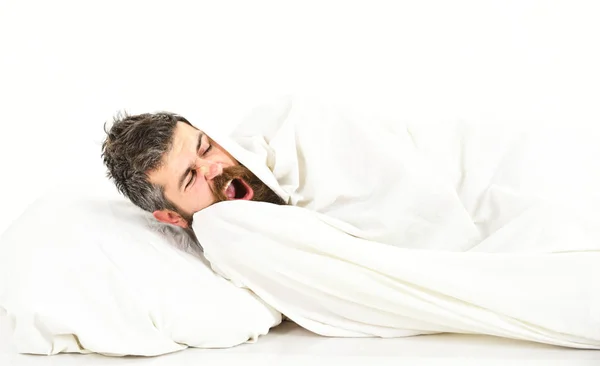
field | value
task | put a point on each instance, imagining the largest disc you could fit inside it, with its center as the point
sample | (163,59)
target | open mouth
(238,189)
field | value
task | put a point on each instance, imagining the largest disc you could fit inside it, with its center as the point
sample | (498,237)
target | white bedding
(112,280)
(466,237)
(512,217)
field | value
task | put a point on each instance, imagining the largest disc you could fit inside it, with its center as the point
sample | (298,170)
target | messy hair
(135,146)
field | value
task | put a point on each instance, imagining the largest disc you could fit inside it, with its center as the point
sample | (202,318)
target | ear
(170,217)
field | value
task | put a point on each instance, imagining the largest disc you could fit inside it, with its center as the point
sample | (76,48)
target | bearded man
(382,228)
(165,165)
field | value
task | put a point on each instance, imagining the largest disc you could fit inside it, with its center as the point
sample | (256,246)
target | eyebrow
(191,167)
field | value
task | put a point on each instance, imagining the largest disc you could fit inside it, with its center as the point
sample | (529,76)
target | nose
(210,169)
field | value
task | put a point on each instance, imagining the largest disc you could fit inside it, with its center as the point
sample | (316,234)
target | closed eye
(192,176)
(207,150)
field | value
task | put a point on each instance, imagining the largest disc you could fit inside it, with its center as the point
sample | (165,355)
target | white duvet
(396,229)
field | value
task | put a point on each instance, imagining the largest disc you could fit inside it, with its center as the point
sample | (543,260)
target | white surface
(109,280)
(291,345)
(67,66)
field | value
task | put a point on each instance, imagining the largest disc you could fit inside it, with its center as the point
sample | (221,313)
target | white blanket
(399,229)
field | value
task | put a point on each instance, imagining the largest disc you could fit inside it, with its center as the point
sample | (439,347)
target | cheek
(200,196)
(224,158)
(228,161)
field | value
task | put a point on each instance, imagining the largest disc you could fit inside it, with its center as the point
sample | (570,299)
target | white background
(67,66)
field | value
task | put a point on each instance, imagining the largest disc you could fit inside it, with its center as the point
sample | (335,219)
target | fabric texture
(82,273)
(397,229)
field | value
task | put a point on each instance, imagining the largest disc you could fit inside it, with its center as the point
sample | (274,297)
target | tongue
(230,191)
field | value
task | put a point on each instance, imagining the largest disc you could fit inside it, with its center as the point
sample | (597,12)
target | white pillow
(84,274)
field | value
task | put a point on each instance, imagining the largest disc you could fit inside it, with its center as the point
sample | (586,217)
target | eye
(207,150)
(193,175)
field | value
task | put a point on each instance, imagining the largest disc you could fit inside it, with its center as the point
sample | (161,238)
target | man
(166,166)
(364,173)
(375,213)
(447,186)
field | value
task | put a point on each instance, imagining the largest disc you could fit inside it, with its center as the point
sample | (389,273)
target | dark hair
(135,146)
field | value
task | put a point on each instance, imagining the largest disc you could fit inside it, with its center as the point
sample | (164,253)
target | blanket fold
(397,229)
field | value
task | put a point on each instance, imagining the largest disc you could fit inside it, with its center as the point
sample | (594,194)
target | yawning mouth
(238,189)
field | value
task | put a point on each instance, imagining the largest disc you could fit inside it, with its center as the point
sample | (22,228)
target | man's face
(197,173)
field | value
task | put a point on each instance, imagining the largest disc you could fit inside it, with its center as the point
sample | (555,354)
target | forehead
(185,137)
(181,154)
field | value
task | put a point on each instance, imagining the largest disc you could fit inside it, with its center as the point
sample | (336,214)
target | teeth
(229,191)
(227,185)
